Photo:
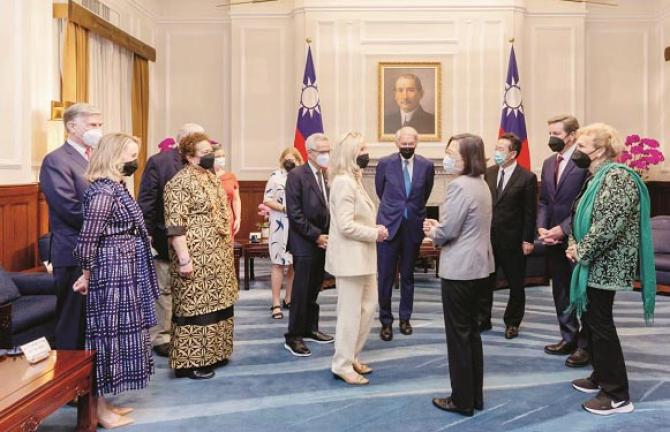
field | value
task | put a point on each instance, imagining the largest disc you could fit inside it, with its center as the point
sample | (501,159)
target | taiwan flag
(309,111)
(513,119)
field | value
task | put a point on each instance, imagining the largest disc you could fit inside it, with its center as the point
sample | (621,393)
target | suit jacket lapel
(76,156)
(493,184)
(551,187)
(314,184)
(512,179)
(569,167)
(398,166)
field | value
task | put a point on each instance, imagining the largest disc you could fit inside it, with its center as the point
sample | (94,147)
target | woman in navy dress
(118,277)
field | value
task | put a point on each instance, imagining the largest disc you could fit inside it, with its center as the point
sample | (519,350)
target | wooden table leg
(252,274)
(246,271)
(87,416)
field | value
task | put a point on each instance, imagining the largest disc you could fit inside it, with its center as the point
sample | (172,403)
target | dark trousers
(70,310)
(404,248)
(304,313)
(513,264)
(560,271)
(460,302)
(609,368)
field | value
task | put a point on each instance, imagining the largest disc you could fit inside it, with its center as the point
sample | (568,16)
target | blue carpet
(264,388)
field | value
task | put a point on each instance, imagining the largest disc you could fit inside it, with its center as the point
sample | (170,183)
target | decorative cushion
(660,231)
(662,262)
(8,289)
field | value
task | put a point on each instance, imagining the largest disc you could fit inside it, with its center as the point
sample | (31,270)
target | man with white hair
(160,168)
(63,183)
(403,182)
(309,220)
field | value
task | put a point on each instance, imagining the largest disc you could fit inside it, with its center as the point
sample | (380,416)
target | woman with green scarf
(611,236)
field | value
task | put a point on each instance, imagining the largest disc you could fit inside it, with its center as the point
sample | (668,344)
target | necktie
(501,183)
(88,152)
(558,168)
(321,186)
(408,182)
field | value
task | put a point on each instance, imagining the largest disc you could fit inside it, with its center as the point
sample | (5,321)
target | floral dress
(196,207)
(114,246)
(274,190)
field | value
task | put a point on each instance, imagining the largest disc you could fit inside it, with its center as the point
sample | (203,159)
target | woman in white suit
(464,234)
(351,256)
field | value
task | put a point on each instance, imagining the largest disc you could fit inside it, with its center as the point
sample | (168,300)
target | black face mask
(129,168)
(207,161)
(556,144)
(407,152)
(289,165)
(581,159)
(363,160)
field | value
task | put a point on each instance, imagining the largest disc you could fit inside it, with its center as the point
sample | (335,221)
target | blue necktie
(408,182)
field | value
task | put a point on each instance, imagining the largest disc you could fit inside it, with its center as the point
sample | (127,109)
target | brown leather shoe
(579,358)
(386,333)
(362,368)
(560,348)
(447,404)
(353,379)
(511,332)
(406,327)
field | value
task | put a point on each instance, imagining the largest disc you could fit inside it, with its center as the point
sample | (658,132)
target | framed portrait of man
(409,94)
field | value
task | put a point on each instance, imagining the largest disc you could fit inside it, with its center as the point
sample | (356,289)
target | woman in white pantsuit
(351,256)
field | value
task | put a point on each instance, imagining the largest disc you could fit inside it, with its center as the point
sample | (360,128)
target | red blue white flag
(309,111)
(513,119)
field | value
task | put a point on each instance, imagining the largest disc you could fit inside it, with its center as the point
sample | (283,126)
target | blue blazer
(390,186)
(63,184)
(555,202)
(307,211)
(160,169)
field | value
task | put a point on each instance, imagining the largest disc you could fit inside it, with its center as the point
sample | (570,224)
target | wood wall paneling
(18,226)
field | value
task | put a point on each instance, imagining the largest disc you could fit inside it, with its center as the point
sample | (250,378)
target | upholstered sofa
(660,228)
(27,307)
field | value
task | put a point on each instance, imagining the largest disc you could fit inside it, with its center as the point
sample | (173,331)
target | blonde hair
(293,152)
(604,136)
(343,156)
(106,159)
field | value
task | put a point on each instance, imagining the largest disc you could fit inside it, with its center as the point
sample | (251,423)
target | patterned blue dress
(274,190)
(114,245)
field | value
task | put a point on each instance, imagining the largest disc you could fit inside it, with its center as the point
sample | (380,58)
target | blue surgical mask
(449,165)
(500,157)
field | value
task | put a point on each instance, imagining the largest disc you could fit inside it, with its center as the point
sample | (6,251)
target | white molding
(18,92)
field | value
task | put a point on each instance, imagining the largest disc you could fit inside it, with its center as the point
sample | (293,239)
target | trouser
(304,311)
(560,271)
(70,309)
(356,305)
(404,248)
(460,302)
(513,264)
(160,333)
(609,368)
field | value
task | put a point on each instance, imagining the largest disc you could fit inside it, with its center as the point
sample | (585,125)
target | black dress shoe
(222,363)
(485,326)
(297,347)
(162,350)
(386,333)
(448,404)
(579,358)
(320,337)
(479,406)
(511,332)
(195,373)
(406,327)
(560,348)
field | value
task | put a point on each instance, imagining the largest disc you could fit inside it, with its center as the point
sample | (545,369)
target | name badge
(37,350)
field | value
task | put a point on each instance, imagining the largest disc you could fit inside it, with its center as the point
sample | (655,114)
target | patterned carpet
(264,388)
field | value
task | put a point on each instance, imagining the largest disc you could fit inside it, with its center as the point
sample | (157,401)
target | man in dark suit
(514,196)
(403,182)
(408,92)
(309,220)
(160,168)
(562,181)
(63,183)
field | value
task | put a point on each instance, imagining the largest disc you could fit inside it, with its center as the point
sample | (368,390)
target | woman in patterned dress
(275,198)
(118,277)
(204,287)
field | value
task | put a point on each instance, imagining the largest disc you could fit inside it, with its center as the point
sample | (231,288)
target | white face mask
(323,159)
(92,137)
(449,165)
(220,162)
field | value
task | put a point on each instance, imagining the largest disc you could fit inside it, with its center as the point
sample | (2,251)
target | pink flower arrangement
(641,153)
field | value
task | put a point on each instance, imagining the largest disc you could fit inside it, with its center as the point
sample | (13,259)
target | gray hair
(188,129)
(407,130)
(78,110)
(313,139)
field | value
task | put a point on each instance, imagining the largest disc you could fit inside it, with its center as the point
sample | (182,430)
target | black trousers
(560,271)
(70,310)
(609,368)
(513,264)
(460,302)
(304,312)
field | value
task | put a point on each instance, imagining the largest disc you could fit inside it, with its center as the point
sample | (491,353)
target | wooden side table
(251,251)
(29,393)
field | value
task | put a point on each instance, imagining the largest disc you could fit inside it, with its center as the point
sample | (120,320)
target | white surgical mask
(449,165)
(323,159)
(92,137)
(220,162)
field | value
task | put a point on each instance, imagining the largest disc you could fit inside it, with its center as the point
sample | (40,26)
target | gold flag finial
(308,40)
(511,40)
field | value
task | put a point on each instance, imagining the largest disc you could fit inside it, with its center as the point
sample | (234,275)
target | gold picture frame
(419,108)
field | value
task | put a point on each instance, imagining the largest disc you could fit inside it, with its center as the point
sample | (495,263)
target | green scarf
(580,227)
